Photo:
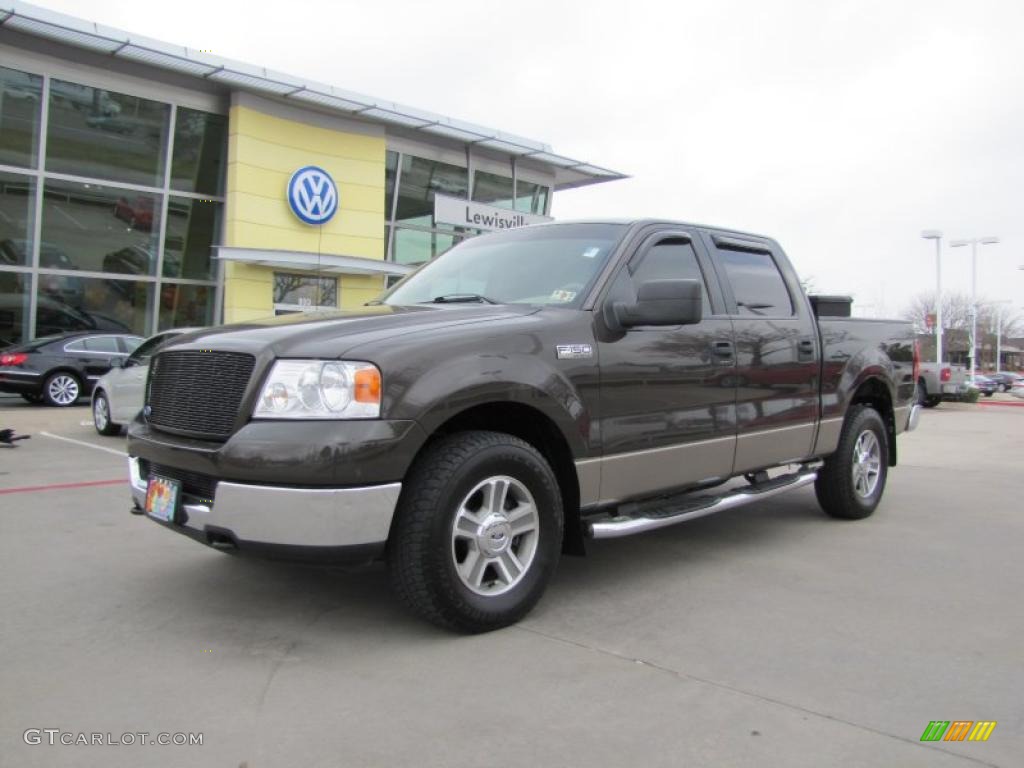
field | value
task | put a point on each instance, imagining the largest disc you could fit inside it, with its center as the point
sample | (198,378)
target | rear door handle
(723,350)
(806,349)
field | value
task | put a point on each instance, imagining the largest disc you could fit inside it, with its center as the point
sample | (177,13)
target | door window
(756,282)
(669,259)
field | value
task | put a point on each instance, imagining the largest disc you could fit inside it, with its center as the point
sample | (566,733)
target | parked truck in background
(524,392)
(937,382)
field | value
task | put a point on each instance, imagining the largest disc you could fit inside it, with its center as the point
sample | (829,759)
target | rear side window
(106,344)
(756,283)
(75,346)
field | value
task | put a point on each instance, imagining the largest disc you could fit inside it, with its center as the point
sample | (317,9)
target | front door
(667,402)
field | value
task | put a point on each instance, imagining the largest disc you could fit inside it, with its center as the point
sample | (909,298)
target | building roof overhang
(70,30)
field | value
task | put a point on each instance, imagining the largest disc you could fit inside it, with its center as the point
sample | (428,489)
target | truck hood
(331,334)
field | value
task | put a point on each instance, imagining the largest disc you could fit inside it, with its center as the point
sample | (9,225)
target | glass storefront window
(191,234)
(200,146)
(17,203)
(413,246)
(419,181)
(15,293)
(530,197)
(106,135)
(100,229)
(296,293)
(492,189)
(390,169)
(71,303)
(20,98)
(185,306)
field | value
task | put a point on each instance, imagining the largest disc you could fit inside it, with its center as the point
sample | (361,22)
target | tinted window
(420,180)
(104,134)
(17,195)
(99,229)
(756,283)
(492,189)
(75,346)
(106,344)
(200,146)
(20,94)
(670,260)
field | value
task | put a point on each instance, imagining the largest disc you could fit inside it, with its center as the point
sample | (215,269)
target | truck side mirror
(662,302)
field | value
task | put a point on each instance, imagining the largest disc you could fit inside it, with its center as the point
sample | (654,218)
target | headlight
(320,389)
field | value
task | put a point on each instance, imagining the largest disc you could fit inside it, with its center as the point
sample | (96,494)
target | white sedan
(118,396)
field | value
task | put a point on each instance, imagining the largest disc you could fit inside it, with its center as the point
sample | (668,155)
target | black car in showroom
(58,370)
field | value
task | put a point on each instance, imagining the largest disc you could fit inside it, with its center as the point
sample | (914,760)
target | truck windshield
(549,264)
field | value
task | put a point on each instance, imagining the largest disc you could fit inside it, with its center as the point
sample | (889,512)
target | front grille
(202,487)
(197,393)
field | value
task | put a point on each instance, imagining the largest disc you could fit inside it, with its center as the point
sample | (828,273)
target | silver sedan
(118,396)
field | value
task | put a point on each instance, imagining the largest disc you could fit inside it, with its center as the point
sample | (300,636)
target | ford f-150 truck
(524,392)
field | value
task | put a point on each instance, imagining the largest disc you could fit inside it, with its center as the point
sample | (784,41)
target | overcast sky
(841,128)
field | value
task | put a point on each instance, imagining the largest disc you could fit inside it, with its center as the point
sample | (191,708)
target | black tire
(423,551)
(931,401)
(921,392)
(32,397)
(60,387)
(989,394)
(101,415)
(835,487)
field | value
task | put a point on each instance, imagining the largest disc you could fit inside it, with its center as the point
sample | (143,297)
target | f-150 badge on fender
(574,351)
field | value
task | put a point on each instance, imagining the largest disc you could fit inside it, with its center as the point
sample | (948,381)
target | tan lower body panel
(755,450)
(641,473)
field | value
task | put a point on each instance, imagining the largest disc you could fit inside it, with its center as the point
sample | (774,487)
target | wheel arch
(537,428)
(874,393)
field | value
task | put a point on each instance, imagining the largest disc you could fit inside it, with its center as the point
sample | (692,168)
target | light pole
(936,235)
(999,332)
(973,242)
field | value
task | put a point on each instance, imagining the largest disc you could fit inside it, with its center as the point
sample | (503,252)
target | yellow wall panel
(263,152)
(315,139)
(274,157)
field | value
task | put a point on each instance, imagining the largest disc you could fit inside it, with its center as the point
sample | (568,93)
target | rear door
(777,354)
(667,401)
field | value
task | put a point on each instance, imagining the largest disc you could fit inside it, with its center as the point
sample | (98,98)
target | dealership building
(145,186)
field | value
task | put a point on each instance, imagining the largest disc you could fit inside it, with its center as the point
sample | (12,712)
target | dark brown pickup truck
(521,393)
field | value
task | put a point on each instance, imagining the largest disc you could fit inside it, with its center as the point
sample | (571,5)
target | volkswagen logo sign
(312,195)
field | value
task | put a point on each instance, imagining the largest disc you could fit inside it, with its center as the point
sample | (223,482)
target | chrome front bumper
(288,517)
(913,417)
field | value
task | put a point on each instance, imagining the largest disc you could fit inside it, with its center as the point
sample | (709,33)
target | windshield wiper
(460,298)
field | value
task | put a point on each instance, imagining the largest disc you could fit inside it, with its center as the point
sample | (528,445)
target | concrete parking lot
(764,636)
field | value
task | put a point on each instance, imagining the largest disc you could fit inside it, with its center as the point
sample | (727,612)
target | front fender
(455,385)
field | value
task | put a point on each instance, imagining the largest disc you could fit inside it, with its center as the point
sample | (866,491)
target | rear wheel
(101,415)
(852,480)
(931,401)
(62,389)
(920,392)
(477,532)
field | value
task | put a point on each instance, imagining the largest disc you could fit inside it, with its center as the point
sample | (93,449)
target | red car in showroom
(138,212)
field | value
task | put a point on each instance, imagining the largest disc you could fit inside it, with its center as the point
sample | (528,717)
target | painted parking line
(63,486)
(84,444)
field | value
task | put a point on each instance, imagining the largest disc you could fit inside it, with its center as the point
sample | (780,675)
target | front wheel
(477,532)
(62,389)
(852,480)
(101,415)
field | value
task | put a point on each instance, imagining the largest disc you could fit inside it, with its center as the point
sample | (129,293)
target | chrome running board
(649,516)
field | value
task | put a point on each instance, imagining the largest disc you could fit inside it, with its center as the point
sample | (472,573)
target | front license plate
(162,496)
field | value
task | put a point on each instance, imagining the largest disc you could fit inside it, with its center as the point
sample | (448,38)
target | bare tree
(956,320)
